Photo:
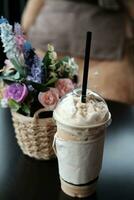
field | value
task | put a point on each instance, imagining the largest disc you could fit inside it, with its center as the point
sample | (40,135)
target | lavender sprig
(19,37)
(18,29)
(34,64)
(9,42)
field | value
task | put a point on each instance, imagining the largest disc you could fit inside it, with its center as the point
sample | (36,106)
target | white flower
(52,53)
(73,66)
(4,103)
(50,47)
(8,40)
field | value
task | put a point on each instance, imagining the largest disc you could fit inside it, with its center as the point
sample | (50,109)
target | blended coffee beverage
(79,141)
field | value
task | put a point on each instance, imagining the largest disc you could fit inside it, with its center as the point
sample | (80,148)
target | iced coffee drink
(79,141)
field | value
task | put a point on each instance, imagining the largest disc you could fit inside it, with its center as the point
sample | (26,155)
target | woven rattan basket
(35,135)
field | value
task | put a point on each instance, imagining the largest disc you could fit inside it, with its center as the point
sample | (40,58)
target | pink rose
(64,86)
(49,99)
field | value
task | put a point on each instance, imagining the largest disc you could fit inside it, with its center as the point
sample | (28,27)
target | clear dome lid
(72,112)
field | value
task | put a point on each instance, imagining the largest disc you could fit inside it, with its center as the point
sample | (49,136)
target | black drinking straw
(86,66)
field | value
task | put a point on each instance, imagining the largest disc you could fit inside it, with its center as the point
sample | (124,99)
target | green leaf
(16,76)
(18,67)
(65,59)
(43,87)
(38,86)
(50,57)
(13,78)
(8,78)
(46,60)
(52,67)
(51,81)
(25,108)
(14,105)
(9,72)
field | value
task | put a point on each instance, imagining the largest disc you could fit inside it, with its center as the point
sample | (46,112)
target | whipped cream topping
(71,111)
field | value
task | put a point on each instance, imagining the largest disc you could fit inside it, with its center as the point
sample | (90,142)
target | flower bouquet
(32,88)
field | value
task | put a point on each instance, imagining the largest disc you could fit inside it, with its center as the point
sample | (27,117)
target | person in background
(64,24)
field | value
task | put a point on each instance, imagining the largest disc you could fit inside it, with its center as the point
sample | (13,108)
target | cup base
(78,191)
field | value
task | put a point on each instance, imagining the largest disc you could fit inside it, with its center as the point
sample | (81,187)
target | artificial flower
(27,76)
(9,67)
(8,40)
(64,86)
(16,91)
(34,64)
(49,99)
(19,36)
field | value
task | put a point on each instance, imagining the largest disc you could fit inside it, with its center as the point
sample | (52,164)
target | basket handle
(54,145)
(36,114)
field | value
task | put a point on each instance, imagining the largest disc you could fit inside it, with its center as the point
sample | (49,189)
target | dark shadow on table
(36,179)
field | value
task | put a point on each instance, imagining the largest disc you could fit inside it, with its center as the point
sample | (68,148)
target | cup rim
(76,91)
(106,123)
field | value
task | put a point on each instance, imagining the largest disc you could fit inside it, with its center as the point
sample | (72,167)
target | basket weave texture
(35,135)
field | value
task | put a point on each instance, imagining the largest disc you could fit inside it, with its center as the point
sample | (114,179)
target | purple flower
(18,29)
(33,62)
(19,36)
(36,71)
(16,91)
(34,66)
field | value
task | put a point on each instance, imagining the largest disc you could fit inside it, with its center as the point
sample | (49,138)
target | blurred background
(11,10)
(64,23)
